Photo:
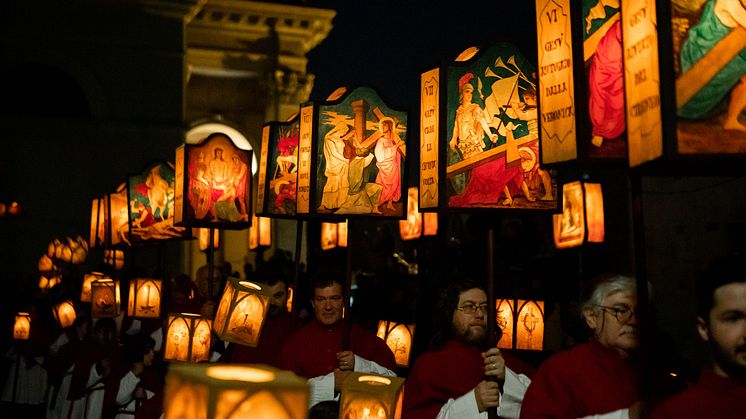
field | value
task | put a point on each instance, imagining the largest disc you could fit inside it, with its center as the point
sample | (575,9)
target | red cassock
(447,373)
(713,396)
(588,379)
(311,351)
(274,334)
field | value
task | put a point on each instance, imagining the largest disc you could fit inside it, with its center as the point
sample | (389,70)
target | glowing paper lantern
(488,136)
(417,224)
(522,324)
(582,205)
(105,298)
(144,298)
(530,325)
(64,313)
(290,300)
(371,396)
(260,232)
(85,291)
(241,312)
(151,212)
(504,316)
(114,258)
(22,326)
(203,238)
(333,235)
(100,228)
(119,217)
(212,184)
(278,169)
(198,391)
(45,264)
(188,338)
(339,140)
(48,282)
(398,337)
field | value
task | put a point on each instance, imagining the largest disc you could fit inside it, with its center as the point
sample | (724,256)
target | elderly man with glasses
(597,378)
(459,377)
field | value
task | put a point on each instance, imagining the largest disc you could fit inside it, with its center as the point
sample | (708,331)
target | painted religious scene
(282,169)
(151,205)
(604,72)
(491,140)
(361,151)
(710,66)
(217,185)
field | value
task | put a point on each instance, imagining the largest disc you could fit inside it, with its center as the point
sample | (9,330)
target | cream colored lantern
(241,312)
(145,298)
(260,232)
(85,292)
(64,313)
(371,396)
(203,391)
(105,298)
(188,338)
(22,326)
(398,337)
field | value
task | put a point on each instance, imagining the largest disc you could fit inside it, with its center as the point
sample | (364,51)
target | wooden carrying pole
(491,321)
(296,273)
(347,293)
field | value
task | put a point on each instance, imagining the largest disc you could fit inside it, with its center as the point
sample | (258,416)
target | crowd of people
(112,367)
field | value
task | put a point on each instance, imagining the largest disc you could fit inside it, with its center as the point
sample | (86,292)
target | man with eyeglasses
(720,391)
(596,378)
(315,351)
(459,378)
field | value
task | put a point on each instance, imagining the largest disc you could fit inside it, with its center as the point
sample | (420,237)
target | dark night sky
(387,44)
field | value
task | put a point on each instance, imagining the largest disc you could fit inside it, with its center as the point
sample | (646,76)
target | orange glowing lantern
(64,313)
(188,338)
(48,282)
(114,258)
(198,391)
(411,228)
(85,291)
(15,209)
(398,336)
(504,316)
(45,264)
(260,232)
(22,326)
(333,235)
(105,298)
(203,238)
(119,217)
(145,298)
(100,229)
(79,249)
(430,224)
(212,184)
(530,325)
(582,207)
(371,396)
(241,312)
(290,300)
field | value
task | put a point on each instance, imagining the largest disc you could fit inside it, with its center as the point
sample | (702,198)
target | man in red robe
(316,350)
(450,381)
(721,322)
(598,377)
(277,328)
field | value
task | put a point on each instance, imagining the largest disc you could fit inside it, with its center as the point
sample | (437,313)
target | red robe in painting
(606,85)
(486,184)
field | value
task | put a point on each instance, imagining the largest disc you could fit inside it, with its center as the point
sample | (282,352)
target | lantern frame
(66,320)
(337,235)
(387,330)
(236,293)
(580,202)
(192,324)
(145,190)
(260,232)
(134,305)
(109,307)
(22,326)
(118,218)
(100,229)
(277,169)
(202,389)
(187,156)
(440,99)
(387,392)
(516,308)
(364,105)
